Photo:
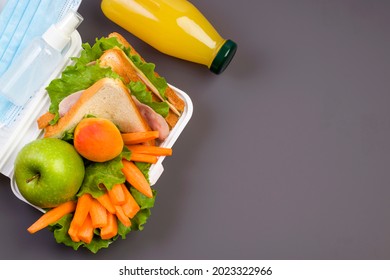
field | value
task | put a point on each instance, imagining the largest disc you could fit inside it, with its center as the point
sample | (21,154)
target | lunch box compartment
(24,129)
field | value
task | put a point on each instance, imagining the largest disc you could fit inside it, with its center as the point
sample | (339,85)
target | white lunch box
(24,129)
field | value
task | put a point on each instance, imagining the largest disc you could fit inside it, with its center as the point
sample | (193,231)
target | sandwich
(107,98)
(155,106)
(110,80)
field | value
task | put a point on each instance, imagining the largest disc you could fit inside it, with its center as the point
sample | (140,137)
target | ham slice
(154,120)
(68,102)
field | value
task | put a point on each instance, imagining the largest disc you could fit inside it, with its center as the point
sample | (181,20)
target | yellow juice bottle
(174,27)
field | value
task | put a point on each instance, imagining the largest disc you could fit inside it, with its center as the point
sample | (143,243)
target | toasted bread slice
(107,98)
(120,63)
(171,95)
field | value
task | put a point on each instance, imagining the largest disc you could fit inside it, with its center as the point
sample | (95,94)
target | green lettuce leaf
(60,231)
(93,53)
(126,153)
(146,203)
(144,167)
(68,135)
(100,176)
(139,90)
(149,71)
(75,78)
(123,230)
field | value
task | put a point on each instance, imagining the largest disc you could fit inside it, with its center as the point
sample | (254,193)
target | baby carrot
(135,177)
(130,207)
(150,150)
(98,214)
(85,233)
(139,137)
(116,195)
(143,158)
(52,216)
(122,216)
(83,205)
(111,229)
(106,202)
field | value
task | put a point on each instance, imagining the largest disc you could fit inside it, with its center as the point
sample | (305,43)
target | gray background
(287,153)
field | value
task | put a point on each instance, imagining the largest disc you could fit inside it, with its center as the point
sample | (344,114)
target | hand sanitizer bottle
(33,67)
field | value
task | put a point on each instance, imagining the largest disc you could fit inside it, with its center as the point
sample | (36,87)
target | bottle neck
(55,38)
(223,57)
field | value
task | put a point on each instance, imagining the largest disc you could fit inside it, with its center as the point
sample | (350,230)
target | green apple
(48,172)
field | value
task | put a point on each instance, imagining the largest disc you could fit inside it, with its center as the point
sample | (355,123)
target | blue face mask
(20,22)
(23,20)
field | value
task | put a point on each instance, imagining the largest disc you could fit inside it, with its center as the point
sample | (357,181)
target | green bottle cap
(223,57)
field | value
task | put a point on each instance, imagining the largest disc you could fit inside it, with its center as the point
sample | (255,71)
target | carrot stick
(130,207)
(98,214)
(73,232)
(135,177)
(122,216)
(111,229)
(139,137)
(83,205)
(106,202)
(85,232)
(150,150)
(53,215)
(143,158)
(116,195)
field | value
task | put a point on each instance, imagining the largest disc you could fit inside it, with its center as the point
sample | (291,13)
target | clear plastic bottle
(37,62)
(174,27)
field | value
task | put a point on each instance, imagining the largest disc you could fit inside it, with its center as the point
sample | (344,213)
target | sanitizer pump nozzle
(32,68)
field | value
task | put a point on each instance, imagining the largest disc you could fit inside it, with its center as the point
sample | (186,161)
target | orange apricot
(97,139)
